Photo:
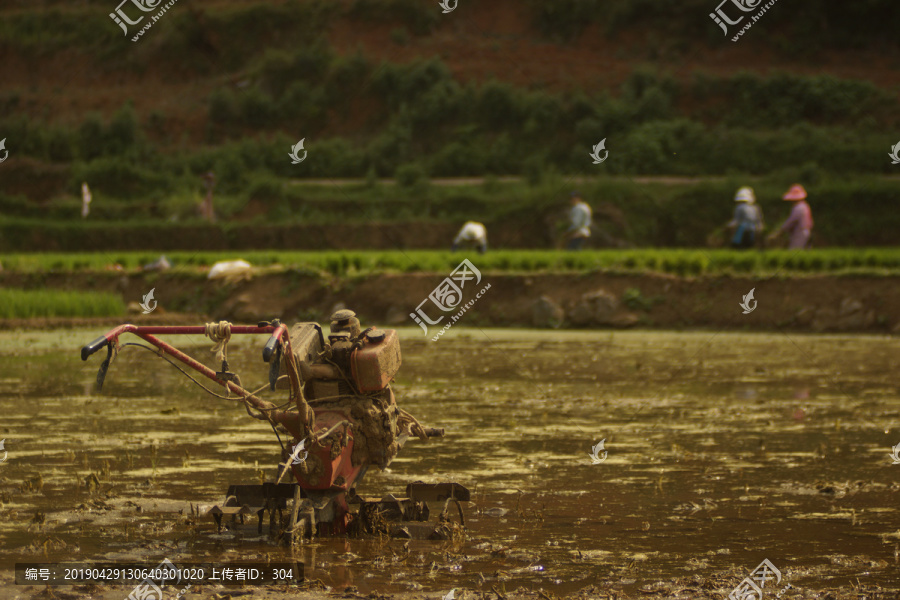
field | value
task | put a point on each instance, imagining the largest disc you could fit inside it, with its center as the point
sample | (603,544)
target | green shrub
(120,177)
(650,94)
(264,188)
(498,106)
(222,109)
(635,300)
(279,68)
(256,108)
(405,84)
(793,98)
(124,133)
(411,175)
(346,73)
(91,137)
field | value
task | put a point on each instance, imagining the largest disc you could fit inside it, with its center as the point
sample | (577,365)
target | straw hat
(745,194)
(795,193)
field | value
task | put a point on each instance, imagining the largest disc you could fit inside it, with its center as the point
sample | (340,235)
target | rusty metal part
(374,365)
(393,508)
(305,414)
(307,342)
(242,500)
(345,320)
(445,515)
(317,440)
(228,509)
(309,372)
(345,314)
(436,492)
(406,517)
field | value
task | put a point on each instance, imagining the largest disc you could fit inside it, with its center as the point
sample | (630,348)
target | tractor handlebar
(269,348)
(93,347)
(147,333)
(272,344)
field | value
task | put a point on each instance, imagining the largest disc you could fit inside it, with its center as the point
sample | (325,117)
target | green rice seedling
(24,304)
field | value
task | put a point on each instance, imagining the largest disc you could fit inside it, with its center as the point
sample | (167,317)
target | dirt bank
(591,300)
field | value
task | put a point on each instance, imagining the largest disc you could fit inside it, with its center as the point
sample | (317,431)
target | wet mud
(722,450)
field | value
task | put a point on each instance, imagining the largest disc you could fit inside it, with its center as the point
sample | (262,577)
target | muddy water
(723,450)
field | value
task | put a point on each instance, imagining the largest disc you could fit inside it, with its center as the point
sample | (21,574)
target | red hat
(795,193)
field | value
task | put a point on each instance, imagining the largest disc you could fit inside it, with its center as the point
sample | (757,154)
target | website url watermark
(150,587)
(457,316)
(751,588)
(448,295)
(723,20)
(123,20)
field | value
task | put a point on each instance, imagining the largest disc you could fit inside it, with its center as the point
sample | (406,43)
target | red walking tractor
(342,418)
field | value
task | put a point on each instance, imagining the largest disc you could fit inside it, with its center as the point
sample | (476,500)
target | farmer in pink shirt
(800,221)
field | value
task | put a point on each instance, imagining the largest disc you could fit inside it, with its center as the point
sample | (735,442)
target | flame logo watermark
(145,304)
(445,4)
(295,149)
(6,152)
(895,154)
(5,453)
(595,453)
(895,454)
(748,298)
(295,457)
(596,153)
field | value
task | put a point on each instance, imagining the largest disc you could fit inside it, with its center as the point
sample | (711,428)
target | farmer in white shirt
(579,223)
(472,235)
(85,200)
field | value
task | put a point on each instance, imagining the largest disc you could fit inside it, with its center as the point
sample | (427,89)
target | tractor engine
(347,380)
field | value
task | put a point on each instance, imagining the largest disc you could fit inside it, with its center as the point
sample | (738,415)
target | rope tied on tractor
(410,423)
(220,333)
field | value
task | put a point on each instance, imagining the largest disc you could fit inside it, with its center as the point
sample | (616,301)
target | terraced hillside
(399,89)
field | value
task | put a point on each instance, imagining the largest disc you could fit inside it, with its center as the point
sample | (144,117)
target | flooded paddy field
(723,450)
